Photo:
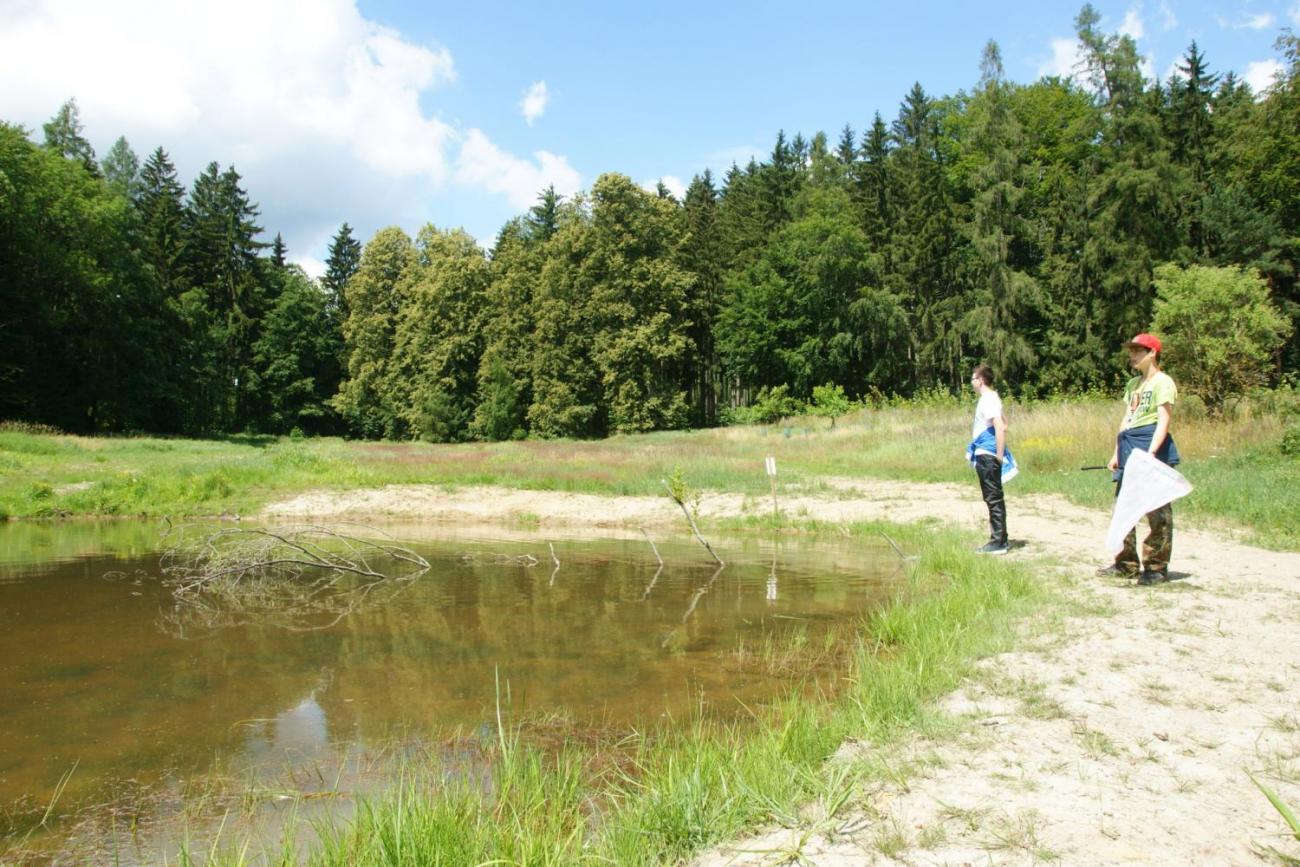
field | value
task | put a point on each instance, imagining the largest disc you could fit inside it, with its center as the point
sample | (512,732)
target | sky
(401,112)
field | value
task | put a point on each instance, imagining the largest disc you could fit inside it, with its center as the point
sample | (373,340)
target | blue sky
(382,112)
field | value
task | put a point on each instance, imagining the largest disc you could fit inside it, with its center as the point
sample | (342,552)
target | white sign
(771,466)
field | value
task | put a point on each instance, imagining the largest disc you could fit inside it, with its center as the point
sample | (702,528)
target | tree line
(1021,225)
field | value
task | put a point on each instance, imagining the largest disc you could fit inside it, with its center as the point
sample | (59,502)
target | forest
(1029,226)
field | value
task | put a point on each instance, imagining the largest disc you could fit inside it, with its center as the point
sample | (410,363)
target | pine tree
(871,189)
(1134,200)
(121,169)
(701,254)
(921,258)
(221,253)
(741,217)
(544,217)
(847,149)
(1001,312)
(63,136)
(278,252)
(342,263)
(780,182)
(296,358)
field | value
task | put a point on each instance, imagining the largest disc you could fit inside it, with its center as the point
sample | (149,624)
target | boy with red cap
(1149,400)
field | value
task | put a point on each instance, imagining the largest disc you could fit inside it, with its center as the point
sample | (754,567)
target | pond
(104,694)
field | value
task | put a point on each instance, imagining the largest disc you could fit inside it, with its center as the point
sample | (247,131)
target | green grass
(1242,477)
(659,795)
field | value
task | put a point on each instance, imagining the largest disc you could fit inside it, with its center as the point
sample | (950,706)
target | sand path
(1121,731)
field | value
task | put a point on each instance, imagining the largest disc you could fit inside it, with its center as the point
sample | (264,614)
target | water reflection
(301,732)
(593,630)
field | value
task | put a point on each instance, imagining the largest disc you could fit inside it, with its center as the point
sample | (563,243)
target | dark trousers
(989,472)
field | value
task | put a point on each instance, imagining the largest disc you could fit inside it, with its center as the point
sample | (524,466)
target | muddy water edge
(137,722)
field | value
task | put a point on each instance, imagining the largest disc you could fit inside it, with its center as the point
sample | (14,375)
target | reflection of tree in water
(297,578)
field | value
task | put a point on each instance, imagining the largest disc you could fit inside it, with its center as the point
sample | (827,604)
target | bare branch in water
(690,520)
(297,577)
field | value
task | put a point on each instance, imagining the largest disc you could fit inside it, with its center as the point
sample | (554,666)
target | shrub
(772,405)
(1291,442)
(829,402)
(1220,330)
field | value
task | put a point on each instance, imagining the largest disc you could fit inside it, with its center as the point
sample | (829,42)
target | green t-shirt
(1142,399)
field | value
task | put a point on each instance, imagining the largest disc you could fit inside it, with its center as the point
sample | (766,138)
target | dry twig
(299,578)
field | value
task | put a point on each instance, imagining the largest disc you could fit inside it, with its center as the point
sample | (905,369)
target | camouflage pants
(1156,547)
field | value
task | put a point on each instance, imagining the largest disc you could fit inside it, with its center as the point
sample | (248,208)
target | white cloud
(1066,59)
(483,164)
(1260,74)
(1168,20)
(313,267)
(739,155)
(1294,14)
(324,113)
(1132,25)
(1258,21)
(250,78)
(533,105)
(1147,66)
(673,183)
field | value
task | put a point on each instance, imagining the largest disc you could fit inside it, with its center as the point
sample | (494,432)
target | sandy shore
(1121,732)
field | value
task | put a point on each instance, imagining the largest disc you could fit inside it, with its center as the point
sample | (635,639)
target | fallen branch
(297,578)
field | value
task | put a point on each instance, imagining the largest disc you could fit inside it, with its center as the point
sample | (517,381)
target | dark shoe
(993,548)
(1148,578)
(1116,571)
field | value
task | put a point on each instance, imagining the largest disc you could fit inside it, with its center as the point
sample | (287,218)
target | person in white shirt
(988,451)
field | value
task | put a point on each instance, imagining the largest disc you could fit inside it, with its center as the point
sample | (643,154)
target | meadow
(1247,481)
(657,795)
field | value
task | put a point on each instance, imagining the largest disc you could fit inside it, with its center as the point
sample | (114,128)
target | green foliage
(770,406)
(1221,330)
(374,296)
(1290,444)
(828,401)
(1020,225)
(430,378)
(296,358)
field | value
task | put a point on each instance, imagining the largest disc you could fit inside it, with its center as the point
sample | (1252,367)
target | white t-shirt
(988,408)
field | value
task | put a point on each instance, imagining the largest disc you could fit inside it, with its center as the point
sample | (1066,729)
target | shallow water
(94,676)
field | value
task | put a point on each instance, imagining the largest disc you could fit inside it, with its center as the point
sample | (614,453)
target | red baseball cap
(1146,341)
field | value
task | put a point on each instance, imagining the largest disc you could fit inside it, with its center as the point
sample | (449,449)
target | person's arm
(1164,414)
(1000,432)
(1113,463)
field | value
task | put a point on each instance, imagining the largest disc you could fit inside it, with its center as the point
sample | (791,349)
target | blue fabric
(988,441)
(1140,438)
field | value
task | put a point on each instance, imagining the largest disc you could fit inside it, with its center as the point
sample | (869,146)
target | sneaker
(993,548)
(1115,570)
(1149,578)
